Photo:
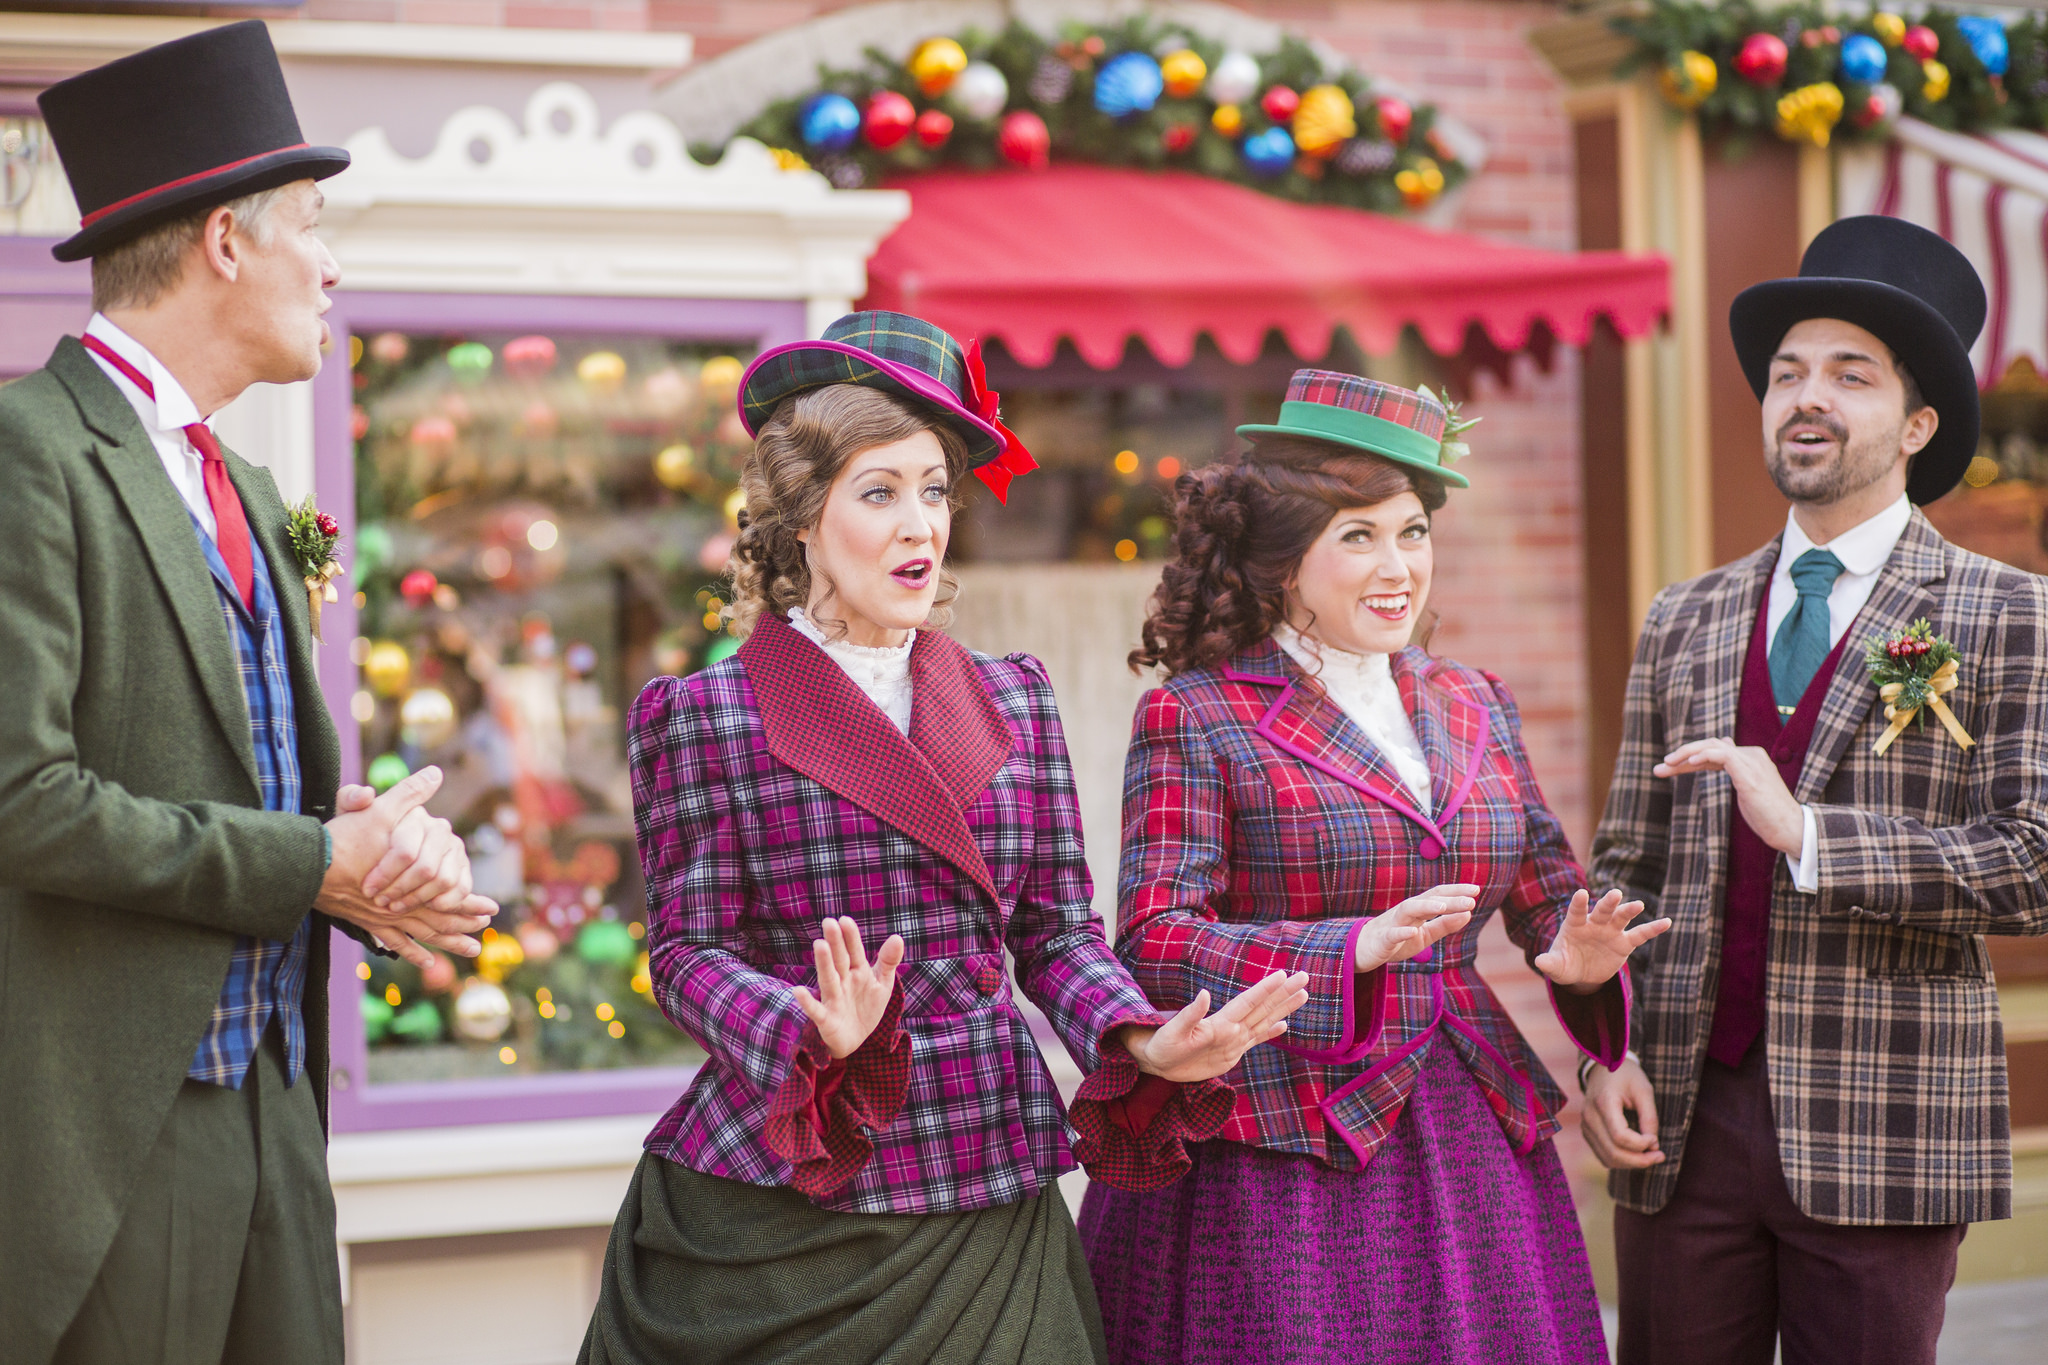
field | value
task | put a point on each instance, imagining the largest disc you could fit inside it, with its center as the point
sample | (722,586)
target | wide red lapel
(819,723)
(953,720)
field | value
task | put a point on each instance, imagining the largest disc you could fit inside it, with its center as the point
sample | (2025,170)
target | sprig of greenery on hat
(1140,92)
(1456,424)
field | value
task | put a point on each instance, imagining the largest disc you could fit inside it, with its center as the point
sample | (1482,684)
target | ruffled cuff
(1362,1006)
(1133,1129)
(1597,1022)
(824,1119)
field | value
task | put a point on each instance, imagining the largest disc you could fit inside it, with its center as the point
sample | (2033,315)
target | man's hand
(1610,1095)
(1591,945)
(425,898)
(1414,925)
(1760,792)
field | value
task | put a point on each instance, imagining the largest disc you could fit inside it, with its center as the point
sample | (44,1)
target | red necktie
(231,525)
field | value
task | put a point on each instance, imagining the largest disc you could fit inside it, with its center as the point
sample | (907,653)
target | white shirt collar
(172,410)
(1863,548)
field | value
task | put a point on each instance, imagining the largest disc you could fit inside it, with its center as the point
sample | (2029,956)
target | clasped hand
(402,874)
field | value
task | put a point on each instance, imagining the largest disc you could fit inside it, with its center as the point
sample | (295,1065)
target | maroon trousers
(1730,1267)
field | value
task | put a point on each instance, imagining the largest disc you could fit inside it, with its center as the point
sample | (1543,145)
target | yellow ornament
(427,718)
(1421,183)
(602,370)
(787,160)
(1184,72)
(501,953)
(1688,81)
(387,668)
(1227,120)
(735,503)
(676,466)
(1810,113)
(1936,88)
(936,64)
(721,376)
(1324,121)
(1889,28)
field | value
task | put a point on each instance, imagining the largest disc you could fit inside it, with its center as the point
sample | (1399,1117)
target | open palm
(1195,1045)
(852,994)
(1591,945)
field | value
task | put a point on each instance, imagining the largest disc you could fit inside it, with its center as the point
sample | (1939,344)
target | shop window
(1997,510)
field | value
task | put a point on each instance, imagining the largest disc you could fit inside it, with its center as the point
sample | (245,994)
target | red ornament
(529,357)
(1024,140)
(1280,103)
(418,587)
(1178,137)
(1921,42)
(934,126)
(889,119)
(1395,118)
(1816,37)
(328,525)
(1762,59)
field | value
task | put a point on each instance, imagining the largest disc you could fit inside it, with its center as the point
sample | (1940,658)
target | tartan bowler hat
(175,130)
(1394,423)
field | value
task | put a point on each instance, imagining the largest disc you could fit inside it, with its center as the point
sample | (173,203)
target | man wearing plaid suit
(1819,1105)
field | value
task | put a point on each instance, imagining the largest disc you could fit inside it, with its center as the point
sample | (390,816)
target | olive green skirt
(705,1270)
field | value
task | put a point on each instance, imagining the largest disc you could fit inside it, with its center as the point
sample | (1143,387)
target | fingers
(352,798)
(1273,998)
(1189,1014)
(890,958)
(1643,933)
(1620,1144)
(1575,913)
(409,948)
(856,955)
(427,875)
(828,968)
(1700,755)
(1444,926)
(409,795)
(812,1008)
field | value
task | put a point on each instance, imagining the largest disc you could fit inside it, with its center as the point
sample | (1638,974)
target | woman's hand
(1194,1046)
(1590,948)
(1610,1097)
(852,996)
(1414,924)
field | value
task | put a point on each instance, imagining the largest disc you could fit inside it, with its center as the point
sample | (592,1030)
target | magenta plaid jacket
(1261,827)
(770,793)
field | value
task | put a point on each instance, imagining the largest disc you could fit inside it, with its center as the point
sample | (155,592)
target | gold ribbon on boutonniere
(313,535)
(1914,669)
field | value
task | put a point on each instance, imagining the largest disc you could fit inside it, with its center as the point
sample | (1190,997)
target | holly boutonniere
(313,535)
(1452,450)
(1914,669)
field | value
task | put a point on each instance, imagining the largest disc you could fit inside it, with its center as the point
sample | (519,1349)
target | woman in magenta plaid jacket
(850,769)
(1311,793)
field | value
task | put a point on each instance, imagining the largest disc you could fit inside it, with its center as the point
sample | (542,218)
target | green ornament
(386,772)
(470,360)
(418,1022)
(606,943)
(373,547)
(724,647)
(376,1016)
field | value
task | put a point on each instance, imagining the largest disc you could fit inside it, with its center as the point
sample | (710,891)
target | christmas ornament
(539,943)
(529,357)
(438,976)
(417,587)
(1935,89)
(483,1011)
(676,466)
(358,422)
(606,943)
(1421,183)
(418,1023)
(390,348)
(1810,113)
(373,547)
(720,378)
(1890,28)
(385,772)
(470,360)
(980,92)
(1820,37)
(1921,42)
(936,64)
(313,535)
(787,160)
(934,126)
(1986,37)
(1761,59)
(1227,120)
(721,649)
(1051,81)
(604,371)
(1914,669)
(1024,141)
(1178,137)
(668,389)
(1129,83)
(1688,81)
(1863,59)
(1183,71)
(829,123)
(432,431)
(1270,152)
(501,953)
(376,1012)
(1280,102)
(539,419)
(387,668)
(1364,156)
(1323,120)
(1880,107)
(1235,79)
(889,120)
(426,718)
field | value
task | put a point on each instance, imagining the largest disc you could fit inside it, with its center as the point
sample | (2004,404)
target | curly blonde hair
(797,455)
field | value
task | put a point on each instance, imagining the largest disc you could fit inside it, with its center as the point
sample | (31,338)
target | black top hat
(1911,290)
(175,130)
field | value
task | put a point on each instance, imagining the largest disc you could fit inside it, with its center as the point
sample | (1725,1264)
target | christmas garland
(1139,93)
(1810,75)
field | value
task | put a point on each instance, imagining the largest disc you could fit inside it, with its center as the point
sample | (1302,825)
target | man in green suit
(173,845)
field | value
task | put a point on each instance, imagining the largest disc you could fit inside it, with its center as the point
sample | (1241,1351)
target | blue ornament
(1863,59)
(1129,83)
(1986,37)
(1269,153)
(830,123)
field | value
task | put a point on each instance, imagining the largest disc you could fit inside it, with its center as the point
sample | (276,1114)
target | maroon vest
(1752,863)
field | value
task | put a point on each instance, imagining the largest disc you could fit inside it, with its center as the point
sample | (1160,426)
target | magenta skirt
(1447,1247)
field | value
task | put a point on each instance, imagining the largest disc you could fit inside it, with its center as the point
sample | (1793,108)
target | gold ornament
(936,64)
(501,953)
(1889,28)
(720,377)
(602,370)
(387,668)
(1227,120)
(1688,81)
(1324,121)
(1936,88)
(1421,183)
(676,466)
(1184,72)
(1810,113)
(427,717)
(787,160)
(735,503)
(483,1011)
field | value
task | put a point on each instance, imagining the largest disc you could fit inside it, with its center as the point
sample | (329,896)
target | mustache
(1831,425)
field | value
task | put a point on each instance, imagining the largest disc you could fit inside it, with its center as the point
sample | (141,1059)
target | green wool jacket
(133,843)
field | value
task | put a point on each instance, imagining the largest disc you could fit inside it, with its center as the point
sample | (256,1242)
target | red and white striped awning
(1989,196)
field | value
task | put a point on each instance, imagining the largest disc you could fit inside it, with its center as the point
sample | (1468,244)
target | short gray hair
(143,269)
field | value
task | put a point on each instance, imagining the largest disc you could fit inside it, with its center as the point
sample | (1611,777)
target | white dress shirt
(164,417)
(881,672)
(1864,549)
(1363,687)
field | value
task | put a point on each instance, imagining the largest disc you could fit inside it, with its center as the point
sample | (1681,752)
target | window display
(1998,509)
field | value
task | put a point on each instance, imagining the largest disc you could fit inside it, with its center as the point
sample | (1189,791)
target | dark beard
(1857,465)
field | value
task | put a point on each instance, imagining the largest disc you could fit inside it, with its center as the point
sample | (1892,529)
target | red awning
(1099,255)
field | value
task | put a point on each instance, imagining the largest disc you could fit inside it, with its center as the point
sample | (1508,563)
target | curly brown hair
(1241,531)
(797,455)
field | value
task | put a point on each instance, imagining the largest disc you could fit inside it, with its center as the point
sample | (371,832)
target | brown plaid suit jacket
(1887,1061)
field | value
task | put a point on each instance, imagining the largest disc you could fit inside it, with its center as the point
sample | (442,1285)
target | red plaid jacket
(1261,828)
(770,793)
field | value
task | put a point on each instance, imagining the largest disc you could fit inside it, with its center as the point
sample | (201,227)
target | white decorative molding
(555,204)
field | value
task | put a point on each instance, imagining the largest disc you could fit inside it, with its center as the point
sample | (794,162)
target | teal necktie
(1801,645)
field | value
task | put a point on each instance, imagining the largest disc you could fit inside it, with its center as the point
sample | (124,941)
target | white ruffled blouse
(1363,687)
(880,671)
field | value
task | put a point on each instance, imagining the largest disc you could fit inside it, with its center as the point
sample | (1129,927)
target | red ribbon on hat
(985,403)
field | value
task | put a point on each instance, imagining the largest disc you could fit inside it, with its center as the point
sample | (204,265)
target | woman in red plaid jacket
(864,1168)
(1311,793)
